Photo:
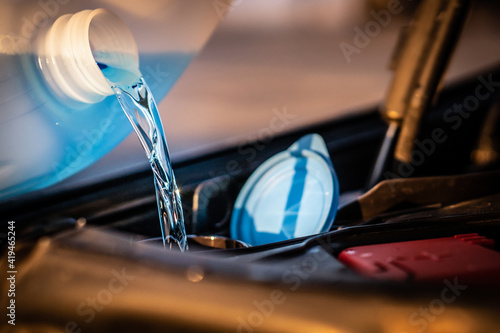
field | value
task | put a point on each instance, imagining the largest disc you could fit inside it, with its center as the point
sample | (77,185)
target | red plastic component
(469,257)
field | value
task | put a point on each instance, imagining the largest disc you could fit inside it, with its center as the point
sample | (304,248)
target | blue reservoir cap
(293,194)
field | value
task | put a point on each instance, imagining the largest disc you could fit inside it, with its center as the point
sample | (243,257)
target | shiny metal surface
(426,52)
(200,243)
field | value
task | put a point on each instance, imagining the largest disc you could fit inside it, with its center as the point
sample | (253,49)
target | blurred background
(274,66)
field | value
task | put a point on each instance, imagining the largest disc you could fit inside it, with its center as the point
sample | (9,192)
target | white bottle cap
(68,50)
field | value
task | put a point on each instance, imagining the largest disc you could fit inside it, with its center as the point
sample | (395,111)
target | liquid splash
(140,108)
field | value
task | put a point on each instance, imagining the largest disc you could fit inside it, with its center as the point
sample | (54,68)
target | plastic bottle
(57,113)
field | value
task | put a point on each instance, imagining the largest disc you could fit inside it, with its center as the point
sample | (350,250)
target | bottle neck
(67,53)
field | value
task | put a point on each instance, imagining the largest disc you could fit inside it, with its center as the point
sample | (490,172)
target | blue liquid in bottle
(60,139)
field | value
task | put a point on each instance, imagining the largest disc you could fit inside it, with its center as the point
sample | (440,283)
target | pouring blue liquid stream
(140,108)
